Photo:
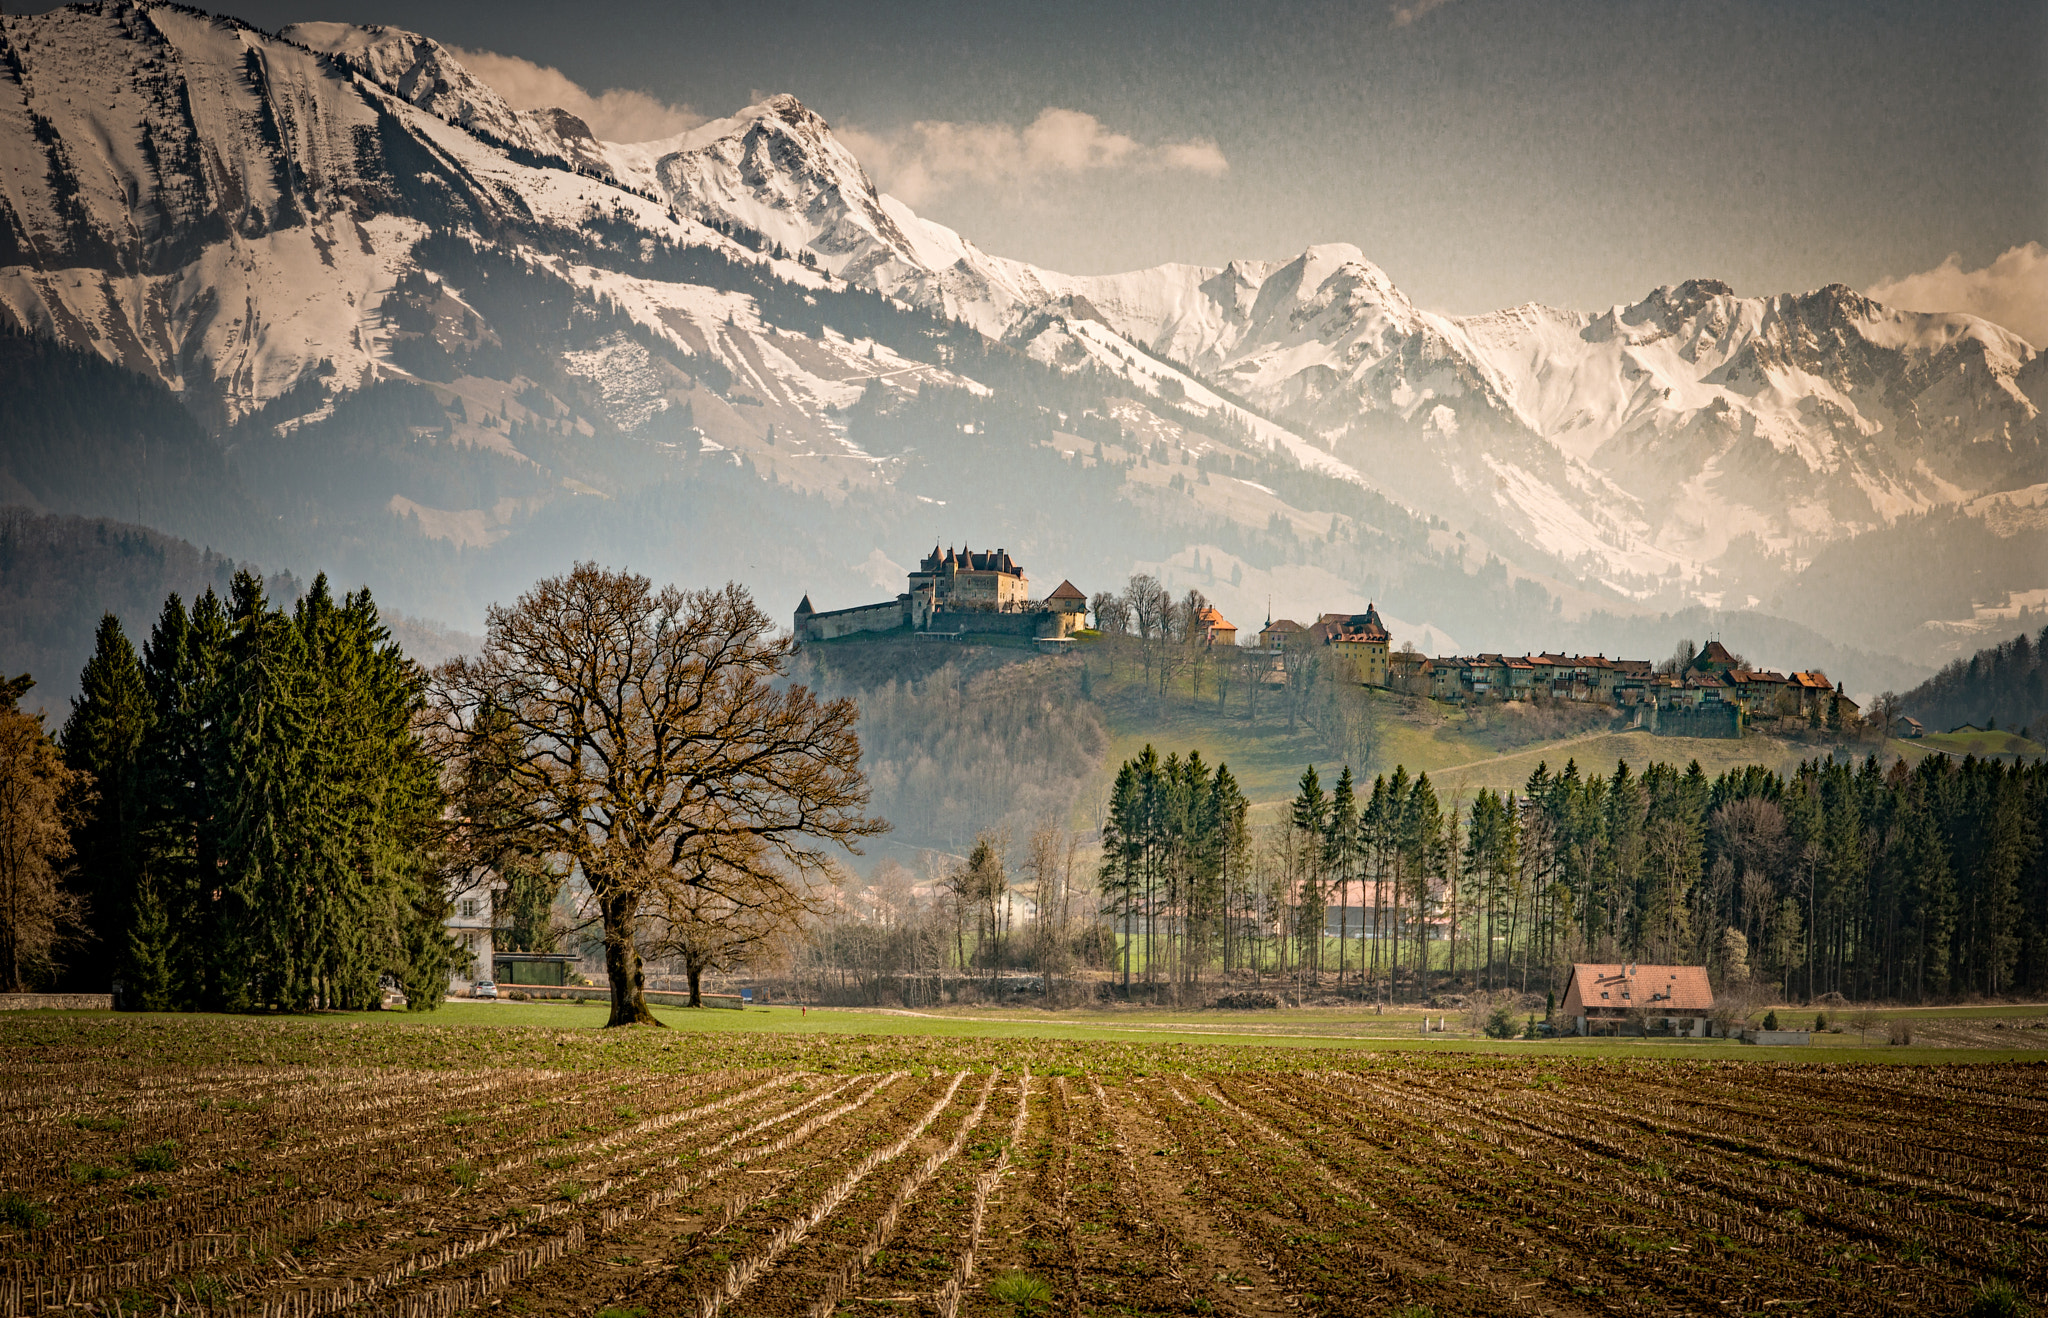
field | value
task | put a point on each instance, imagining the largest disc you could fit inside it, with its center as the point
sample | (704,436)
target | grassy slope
(1980,744)
(1458,756)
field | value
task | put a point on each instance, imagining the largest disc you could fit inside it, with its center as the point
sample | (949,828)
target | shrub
(1501,1024)
(1820,1021)
(1245,1000)
(1999,1298)
(1021,1291)
(1899,1031)
(156,1158)
(1771,1020)
(23,1213)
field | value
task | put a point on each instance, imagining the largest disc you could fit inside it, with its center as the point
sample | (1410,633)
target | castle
(952,592)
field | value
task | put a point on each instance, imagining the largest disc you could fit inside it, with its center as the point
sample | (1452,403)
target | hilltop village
(1710,692)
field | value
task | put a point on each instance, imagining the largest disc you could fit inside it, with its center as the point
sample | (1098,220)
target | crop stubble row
(1248,1193)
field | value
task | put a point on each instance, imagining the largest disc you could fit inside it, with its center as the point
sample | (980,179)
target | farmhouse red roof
(1653,988)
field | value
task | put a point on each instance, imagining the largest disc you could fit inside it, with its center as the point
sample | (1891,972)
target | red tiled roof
(1653,988)
(1066,590)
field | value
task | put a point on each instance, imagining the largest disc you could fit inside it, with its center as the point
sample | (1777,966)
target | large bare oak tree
(642,735)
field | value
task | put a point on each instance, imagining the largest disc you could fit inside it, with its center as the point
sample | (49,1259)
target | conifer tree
(103,739)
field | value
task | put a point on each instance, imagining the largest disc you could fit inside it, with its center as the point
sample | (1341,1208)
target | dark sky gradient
(1490,152)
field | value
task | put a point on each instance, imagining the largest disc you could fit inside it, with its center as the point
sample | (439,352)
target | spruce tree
(110,718)
(148,956)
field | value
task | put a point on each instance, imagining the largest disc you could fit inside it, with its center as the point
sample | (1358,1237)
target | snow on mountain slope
(226,210)
(1651,436)
(229,211)
(424,73)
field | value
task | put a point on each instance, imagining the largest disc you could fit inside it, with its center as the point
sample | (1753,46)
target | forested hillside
(2002,686)
(82,435)
(58,575)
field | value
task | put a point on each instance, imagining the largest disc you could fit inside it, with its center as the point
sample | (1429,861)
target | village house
(1363,637)
(1603,999)
(1408,672)
(472,923)
(1279,635)
(1214,629)
(1908,727)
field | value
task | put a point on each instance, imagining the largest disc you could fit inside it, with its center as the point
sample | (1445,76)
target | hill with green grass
(1985,744)
(965,738)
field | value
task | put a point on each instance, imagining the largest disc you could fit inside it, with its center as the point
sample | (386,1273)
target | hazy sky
(1486,152)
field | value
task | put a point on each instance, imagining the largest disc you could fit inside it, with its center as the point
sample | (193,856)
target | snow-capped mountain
(251,218)
(1650,437)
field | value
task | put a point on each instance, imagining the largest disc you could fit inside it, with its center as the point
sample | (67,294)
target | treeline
(1907,884)
(2003,686)
(256,818)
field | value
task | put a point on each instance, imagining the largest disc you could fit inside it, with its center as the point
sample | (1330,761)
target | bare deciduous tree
(651,747)
(731,919)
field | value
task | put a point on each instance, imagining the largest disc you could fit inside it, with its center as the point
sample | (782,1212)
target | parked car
(484,988)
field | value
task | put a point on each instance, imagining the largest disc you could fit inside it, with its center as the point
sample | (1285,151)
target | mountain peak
(423,72)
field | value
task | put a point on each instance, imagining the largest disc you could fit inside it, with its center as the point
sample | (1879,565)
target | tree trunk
(695,970)
(622,960)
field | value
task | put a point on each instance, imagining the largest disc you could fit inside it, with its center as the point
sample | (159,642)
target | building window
(469,908)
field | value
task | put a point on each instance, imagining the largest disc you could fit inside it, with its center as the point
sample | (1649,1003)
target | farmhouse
(1599,999)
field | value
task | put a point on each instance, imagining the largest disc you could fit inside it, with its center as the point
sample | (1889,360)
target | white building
(472,923)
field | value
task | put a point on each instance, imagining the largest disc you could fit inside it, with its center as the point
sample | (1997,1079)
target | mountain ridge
(249,218)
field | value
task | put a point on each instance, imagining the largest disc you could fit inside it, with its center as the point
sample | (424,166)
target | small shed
(532,969)
(1598,998)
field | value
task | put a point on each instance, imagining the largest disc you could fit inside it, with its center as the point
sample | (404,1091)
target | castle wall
(983,622)
(866,618)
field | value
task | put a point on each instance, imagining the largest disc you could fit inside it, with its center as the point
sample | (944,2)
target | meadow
(516,1158)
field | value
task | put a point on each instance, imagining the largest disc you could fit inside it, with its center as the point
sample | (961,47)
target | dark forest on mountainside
(2000,686)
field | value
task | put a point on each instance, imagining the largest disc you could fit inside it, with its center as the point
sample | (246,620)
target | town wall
(1712,719)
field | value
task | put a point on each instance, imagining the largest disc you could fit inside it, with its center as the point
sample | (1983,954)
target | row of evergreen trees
(1904,883)
(264,820)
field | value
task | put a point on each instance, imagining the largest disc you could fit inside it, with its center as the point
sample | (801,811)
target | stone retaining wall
(56,1002)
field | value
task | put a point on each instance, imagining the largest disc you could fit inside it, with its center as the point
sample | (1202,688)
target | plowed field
(1463,1188)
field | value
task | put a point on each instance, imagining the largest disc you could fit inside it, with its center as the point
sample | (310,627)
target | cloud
(2012,291)
(617,115)
(933,156)
(1406,14)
